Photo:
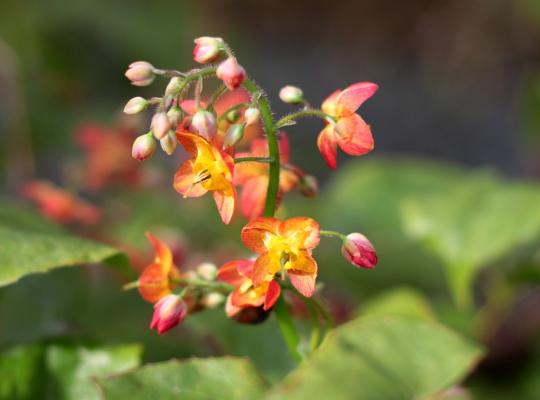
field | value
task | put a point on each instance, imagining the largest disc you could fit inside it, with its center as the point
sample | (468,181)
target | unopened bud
(169,311)
(207,49)
(140,73)
(135,105)
(175,115)
(174,87)
(168,143)
(143,147)
(359,251)
(233,116)
(234,135)
(213,300)
(231,73)
(204,123)
(207,271)
(291,95)
(252,115)
(160,125)
(309,186)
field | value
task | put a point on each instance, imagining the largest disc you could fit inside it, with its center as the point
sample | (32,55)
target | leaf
(194,379)
(472,224)
(24,252)
(20,374)
(382,358)
(402,301)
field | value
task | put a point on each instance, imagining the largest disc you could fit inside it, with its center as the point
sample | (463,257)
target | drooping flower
(169,311)
(207,169)
(238,273)
(156,281)
(231,73)
(349,130)
(253,176)
(143,147)
(140,73)
(207,49)
(60,205)
(284,246)
(358,250)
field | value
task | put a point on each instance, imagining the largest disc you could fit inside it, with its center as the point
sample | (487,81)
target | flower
(253,176)
(359,251)
(231,73)
(140,73)
(348,130)
(238,273)
(207,169)
(169,311)
(143,147)
(207,49)
(155,281)
(284,246)
(59,205)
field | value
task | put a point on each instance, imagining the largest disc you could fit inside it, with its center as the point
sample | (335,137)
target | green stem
(333,233)
(292,339)
(256,159)
(216,95)
(308,112)
(201,283)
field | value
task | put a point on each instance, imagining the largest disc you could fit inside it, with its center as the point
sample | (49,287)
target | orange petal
(184,181)
(163,253)
(225,201)
(353,96)
(272,294)
(284,147)
(354,135)
(252,297)
(327,145)
(230,309)
(304,283)
(287,180)
(256,231)
(229,273)
(264,269)
(194,144)
(330,103)
(230,99)
(154,283)
(253,197)
(305,230)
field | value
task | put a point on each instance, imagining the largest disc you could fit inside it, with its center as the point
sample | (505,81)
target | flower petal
(230,309)
(184,179)
(353,97)
(225,201)
(304,283)
(354,135)
(253,197)
(326,142)
(330,103)
(256,231)
(153,283)
(264,269)
(272,294)
(163,253)
(305,230)
(229,273)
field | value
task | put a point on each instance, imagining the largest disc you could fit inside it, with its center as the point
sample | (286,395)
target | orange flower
(253,177)
(60,205)
(238,273)
(349,130)
(155,281)
(207,169)
(284,246)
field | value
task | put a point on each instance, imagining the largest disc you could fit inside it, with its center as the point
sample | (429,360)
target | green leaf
(402,301)
(472,224)
(24,252)
(382,358)
(194,379)
(20,373)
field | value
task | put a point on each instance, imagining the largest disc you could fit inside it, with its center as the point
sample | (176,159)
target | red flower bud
(359,251)
(169,311)
(140,73)
(207,49)
(143,147)
(291,95)
(160,125)
(204,123)
(231,73)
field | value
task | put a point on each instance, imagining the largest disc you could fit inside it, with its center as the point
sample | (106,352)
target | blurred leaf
(403,301)
(211,378)
(472,224)
(20,373)
(382,358)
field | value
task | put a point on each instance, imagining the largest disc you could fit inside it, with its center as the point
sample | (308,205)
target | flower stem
(307,112)
(333,233)
(292,339)
(256,159)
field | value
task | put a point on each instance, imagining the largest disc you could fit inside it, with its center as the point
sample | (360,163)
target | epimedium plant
(234,143)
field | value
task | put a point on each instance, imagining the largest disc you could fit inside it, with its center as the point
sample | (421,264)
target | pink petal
(354,135)
(272,294)
(225,203)
(304,283)
(353,96)
(253,197)
(327,146)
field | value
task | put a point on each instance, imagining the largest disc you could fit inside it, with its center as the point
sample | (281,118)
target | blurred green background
(449,197)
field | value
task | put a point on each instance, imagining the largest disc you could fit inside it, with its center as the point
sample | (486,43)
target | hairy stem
(307,112)
(255,159)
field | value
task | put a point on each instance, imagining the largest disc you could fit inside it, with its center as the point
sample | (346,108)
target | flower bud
(207,49)
(204,123)
(231,73)
(140,73)
(309,186)
(168,143)
(143,147)
(173,87)
(232,116)
(359,251)
(234,135)
(212,300)
(207,271)
(175,116)
(169,311)
(160,125)
(291,95)
(135,105)
(251,116)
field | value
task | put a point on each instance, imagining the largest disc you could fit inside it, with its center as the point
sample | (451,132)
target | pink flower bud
(252,115)
(204,123)
(169,311)
(140,73)
(175,116)
(231,73)
(309,186)
(291,95)
(233,136)
(359,251)
(168,143)
(143,147)
(174,86)
(207,49)
(135,105)
(160,125)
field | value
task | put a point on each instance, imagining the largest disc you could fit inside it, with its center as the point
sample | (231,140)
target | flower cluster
(235,150)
